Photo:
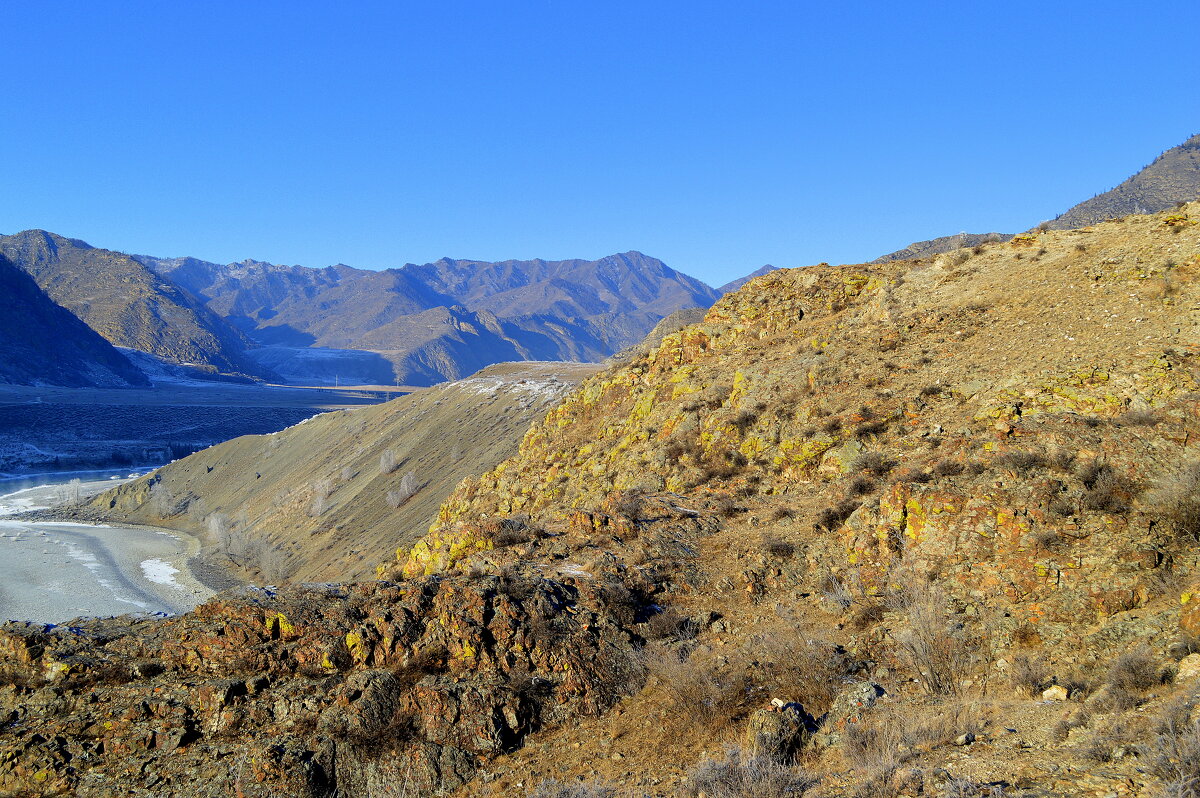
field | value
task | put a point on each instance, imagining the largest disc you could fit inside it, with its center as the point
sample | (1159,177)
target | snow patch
(160,572)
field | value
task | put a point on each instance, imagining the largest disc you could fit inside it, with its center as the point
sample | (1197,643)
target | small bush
(866,616)
(1138,418)
(777,547)
(1136,671)
(1107,491)
(948,468)
(1030,676)
(407,489)
(782,513)
(832,426)
(552,788)
(1176,500)
(874,463)
(388,462)
(744,420)
(737,775)
(1021,462)
(832,517)
(860,486)
(512,532)
(931,390)
(913,475)
(870,428)
(1175,759)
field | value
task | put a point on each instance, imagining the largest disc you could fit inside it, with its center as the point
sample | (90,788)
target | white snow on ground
(161,572)
(543,388)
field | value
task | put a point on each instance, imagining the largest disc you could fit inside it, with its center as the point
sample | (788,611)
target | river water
(52,572)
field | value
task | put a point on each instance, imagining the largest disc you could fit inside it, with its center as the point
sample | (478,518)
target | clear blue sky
(714,137)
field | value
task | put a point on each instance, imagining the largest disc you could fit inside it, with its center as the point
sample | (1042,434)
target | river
(52,572)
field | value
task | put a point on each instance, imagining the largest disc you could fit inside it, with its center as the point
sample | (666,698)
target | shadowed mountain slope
(1171,178)
(126,303)
(42,343)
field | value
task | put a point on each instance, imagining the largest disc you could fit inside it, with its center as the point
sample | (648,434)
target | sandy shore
(56,571)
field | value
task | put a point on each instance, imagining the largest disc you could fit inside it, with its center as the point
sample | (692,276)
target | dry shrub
(913,476)
(1138,418)
(796,667)
(1108,738)
(776,547)
(1021,462)
(889,736)
(935,646)
(1176,500)
(874,463)
(1030,675)
(867,615)
(1174,759)
(1108,491)
(698,691)
(870,428)
(948,468)
(782,513)
(1136,671)
(860,486)
(737,775)
(832,517)
(552,788)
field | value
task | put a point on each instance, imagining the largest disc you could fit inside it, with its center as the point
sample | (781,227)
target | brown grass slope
(312,503)
(1172,177)
(125,302)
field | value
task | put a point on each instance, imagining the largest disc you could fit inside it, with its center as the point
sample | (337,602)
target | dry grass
(737,775)
(1176,500)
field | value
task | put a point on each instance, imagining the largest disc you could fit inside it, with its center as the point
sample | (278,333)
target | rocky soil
(915,528)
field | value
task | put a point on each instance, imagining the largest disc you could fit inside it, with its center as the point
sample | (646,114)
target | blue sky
(715,137)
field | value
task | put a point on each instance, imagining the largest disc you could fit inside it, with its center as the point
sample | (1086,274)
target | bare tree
(407,489)
(388,462)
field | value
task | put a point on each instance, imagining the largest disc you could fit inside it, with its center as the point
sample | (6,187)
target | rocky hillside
(938,246)
(126,303)
(328,499)
(916,528)
(1171,178)
(446,319)
(42,343)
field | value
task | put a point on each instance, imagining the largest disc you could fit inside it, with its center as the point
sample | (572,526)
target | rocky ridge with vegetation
(915,528)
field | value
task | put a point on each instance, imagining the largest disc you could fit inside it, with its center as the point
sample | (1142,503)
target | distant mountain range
(440,320)
(421,324)
(42,343)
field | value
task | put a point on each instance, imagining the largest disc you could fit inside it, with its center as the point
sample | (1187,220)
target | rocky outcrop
(317,691)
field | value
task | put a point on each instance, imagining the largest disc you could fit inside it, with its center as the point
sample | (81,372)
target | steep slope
(125,302)
(42,343)
(860,517)
(938,246)
(1171,178)
(323,500)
